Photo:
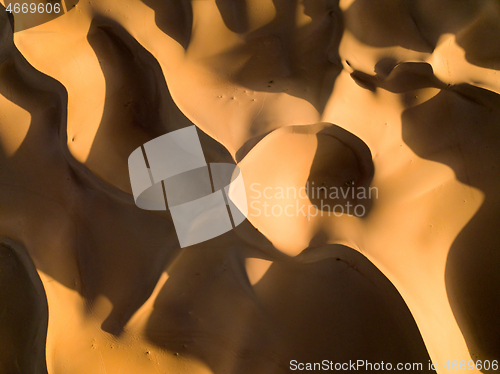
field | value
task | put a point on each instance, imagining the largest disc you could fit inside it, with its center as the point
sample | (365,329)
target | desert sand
(398,96)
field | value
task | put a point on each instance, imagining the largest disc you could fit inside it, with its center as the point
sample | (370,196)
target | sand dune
(395,99)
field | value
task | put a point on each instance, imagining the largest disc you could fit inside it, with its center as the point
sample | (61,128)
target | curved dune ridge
(396,102)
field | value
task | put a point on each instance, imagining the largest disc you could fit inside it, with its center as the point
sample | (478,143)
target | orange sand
(398,95)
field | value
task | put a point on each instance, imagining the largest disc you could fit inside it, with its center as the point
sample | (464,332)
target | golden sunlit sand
(399,98)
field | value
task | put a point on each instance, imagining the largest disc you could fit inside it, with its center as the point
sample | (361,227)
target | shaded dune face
(418,25)
(136,101)
(174,18)
(281,56)
(342,160)
(471,275)
(448,128)
(24,316)
(311,172)
(298,94)
(233,326)
(138,105)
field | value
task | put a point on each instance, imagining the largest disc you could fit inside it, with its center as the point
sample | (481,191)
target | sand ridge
(397,95)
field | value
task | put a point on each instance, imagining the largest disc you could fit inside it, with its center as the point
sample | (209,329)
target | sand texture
(401,96)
